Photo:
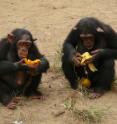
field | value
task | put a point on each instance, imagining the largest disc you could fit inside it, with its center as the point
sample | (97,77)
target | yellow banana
(85,82)
(30,62)
(92,67)
(86,56)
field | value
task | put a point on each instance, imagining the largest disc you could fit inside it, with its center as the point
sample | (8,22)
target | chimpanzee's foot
(90,90)
(96,93)
(13,103)
(74,85)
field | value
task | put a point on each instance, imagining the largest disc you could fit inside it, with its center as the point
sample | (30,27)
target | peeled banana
(86,56)
(31,62)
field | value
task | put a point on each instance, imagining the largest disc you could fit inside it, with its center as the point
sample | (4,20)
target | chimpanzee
(100,40)
(16,77)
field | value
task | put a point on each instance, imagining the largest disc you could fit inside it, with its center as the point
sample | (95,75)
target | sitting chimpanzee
(16,77)
(99,40)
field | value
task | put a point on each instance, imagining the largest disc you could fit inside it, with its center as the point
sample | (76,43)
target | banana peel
(92,67)
(31,62)
(86,56)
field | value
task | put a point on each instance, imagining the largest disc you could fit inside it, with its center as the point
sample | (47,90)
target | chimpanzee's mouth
(22,55)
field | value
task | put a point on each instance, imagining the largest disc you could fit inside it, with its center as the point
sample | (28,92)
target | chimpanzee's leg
(32,88)
(71,73)
(7,67)
(7,96)
(102,80)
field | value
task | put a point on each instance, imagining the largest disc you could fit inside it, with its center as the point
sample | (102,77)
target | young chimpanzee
(98,39)
(16,77)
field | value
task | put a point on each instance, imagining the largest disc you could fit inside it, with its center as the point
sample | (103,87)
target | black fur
(106,39)
(8,69)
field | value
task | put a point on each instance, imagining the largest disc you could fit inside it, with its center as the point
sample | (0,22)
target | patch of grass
(90,115)
(57,60)
(115,81)
(69,103)
(83,90)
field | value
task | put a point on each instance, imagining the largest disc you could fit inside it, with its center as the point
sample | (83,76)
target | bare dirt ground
(50,21)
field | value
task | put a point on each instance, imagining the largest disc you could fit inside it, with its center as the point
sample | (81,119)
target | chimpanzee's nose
(23,49)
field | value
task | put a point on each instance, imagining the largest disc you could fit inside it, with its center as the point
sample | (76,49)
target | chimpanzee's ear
(100,30)
(74,28)
(10,38)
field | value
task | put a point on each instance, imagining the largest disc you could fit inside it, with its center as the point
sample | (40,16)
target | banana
(86,56)
(92,67)
(30,62)
(85,82)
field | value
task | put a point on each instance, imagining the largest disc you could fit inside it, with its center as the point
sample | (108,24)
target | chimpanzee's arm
(43,66)
(35,54)
(7,67)
(4,48)
(69,45)
(110,52)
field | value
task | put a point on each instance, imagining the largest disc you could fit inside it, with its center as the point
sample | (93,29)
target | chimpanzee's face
(23,46)
(88,40)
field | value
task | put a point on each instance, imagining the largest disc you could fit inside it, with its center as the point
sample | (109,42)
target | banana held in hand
(86,56)
(92,67)
(31,62)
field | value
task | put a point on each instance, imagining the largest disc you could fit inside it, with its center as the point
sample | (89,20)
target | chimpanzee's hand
(77,59)
(33,66)
(20,62)
(97,51)
(21,65)
(33,69)
(95,55)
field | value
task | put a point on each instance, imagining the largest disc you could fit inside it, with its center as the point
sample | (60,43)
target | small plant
(69,103)
(83,112)
(83,90)
(115,81)
(57,59)
(90,115)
